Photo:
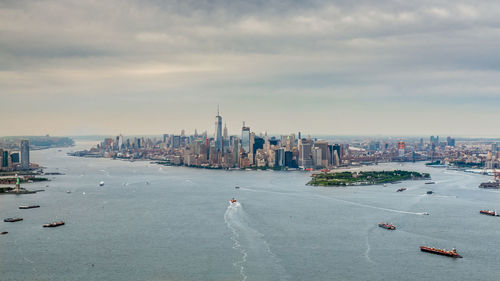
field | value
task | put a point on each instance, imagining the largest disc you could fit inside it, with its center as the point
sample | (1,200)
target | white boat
(101,183)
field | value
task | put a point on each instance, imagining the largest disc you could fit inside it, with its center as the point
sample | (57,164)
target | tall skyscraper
(245,138)
(225,135)
(25,154)
(219,142)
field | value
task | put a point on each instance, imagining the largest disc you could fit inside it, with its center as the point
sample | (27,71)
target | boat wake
(251,245)
(373,207)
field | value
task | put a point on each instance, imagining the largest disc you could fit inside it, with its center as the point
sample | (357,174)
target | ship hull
(442,253)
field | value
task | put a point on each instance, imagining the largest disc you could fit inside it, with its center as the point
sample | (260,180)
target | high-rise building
(325,158)
(236,151)
(219,142)
(225,135)
(245,138)
(305,156)
(401,149)
(25,155)
(279,157)
(494,147)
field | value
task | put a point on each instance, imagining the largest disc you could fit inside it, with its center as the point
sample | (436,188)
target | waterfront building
(279,157)
(317,157)
(325,155)
(25,154)
(305,157)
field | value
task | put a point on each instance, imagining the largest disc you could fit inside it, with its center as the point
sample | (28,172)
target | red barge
(489,213)
(387,226)
(453,253)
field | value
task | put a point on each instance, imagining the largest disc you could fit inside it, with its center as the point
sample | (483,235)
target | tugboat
(401,189)
(453,253)
(387,226)
(430,192)
(29,207)
(233,200)
(3,233)
(54,224)
(489,213)
(12,219)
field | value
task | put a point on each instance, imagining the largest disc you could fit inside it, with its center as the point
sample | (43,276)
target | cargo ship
(387,226)
(453,253)
(489,213)
(29,207)
(490,185)
(401,189)
(54,224)
(12,219)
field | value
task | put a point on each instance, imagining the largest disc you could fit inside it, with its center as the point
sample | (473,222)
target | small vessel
(101,183)
(237,187)
(425,213)
(12,219)
(54,224)
(387,226)
(491,184)
(401,189)
(29,206)
(453,253)
(3,233)
(430,192)
(429,182)
(489,213)
(68,191)
(233,200)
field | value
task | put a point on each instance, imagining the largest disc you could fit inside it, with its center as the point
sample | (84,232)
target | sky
(382,67)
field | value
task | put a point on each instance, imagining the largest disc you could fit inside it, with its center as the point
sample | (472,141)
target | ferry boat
(401,189)
(29,206)
(54,224)
(453,253)
(12,219)
(489,213)
(233,200)
(387,226)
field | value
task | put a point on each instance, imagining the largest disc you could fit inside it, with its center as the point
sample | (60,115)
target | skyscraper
(25,154)
(245,138)
(219,142)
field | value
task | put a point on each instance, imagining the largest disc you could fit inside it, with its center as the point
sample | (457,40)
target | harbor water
(153,222)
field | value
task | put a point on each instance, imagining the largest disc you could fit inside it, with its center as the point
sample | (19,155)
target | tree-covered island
(365,178)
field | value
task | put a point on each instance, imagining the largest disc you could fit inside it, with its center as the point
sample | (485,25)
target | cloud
(286,56)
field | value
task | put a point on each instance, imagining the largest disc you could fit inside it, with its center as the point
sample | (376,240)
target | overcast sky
(319,67)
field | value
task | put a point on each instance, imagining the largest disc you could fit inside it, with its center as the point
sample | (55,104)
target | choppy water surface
(150,222)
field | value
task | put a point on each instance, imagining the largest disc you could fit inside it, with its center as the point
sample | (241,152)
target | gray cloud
(129,58)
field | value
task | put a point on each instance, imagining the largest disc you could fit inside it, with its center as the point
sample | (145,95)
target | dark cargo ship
(387,226)
(453,253)
(491,185)
(12,219)
(29,207)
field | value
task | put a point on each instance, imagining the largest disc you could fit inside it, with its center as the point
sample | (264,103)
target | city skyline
(322,68)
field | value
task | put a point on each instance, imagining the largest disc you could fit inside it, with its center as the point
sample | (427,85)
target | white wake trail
(251,245)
